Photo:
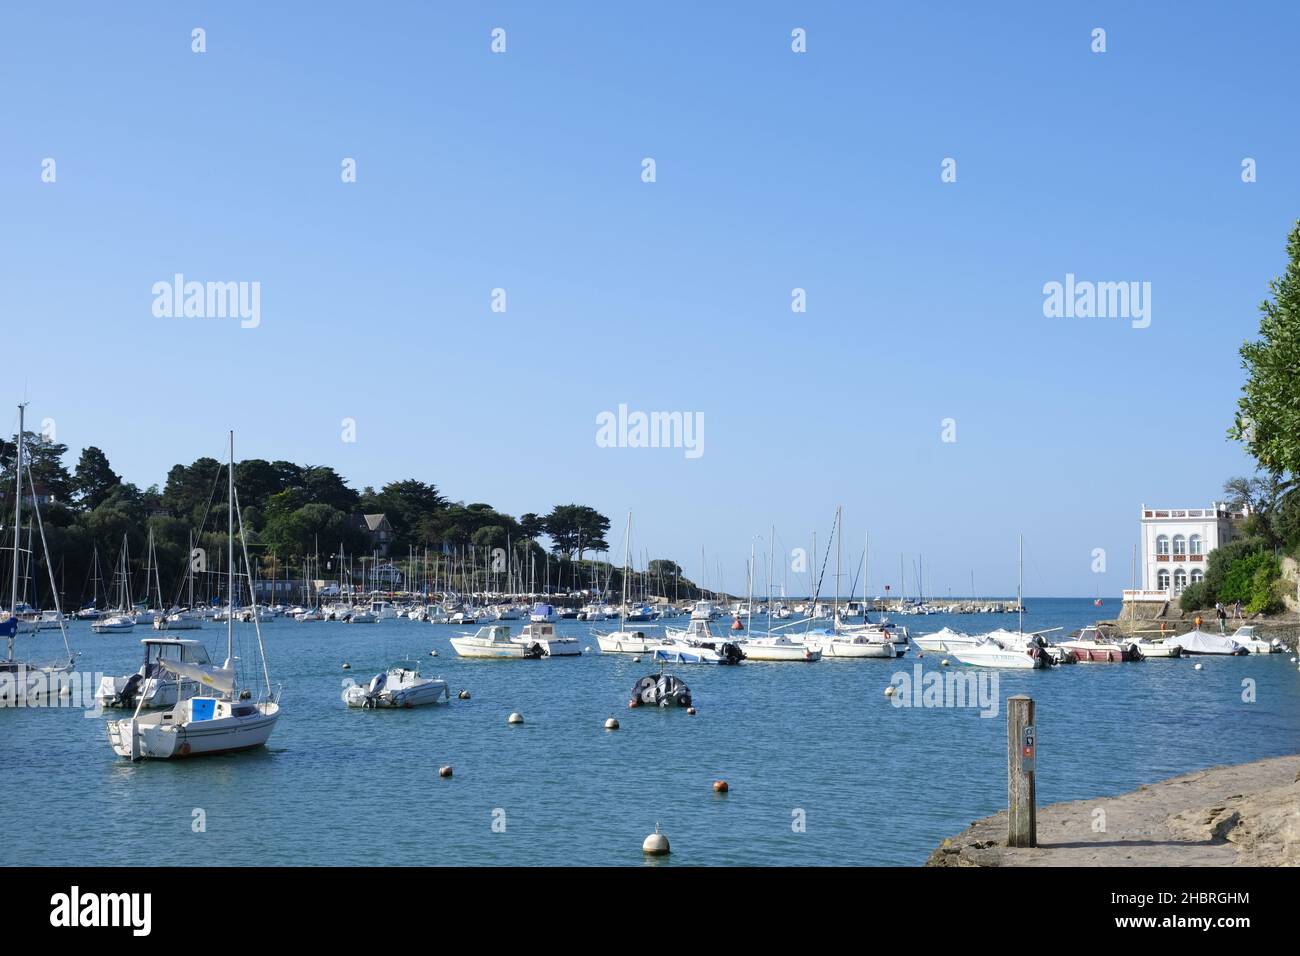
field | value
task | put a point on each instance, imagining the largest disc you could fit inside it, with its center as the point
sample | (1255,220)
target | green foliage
(93,479)
(576,529)
(1194,597)
(1268,412)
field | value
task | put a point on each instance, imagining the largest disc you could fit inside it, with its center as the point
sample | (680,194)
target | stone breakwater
(1241,815)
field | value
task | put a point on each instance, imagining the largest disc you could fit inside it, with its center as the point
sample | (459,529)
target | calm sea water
(876,784)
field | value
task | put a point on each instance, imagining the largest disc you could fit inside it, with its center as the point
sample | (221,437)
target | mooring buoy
(347,666)
(463,695)
(611,724)
(515,718)
(656,844)
(720,786)
(889,691)
(444,771)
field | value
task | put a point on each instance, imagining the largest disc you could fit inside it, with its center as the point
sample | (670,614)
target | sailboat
(186,619)
(228,720)
(122,619)
(772,646)
(842,640)
(20,681)
(624,641)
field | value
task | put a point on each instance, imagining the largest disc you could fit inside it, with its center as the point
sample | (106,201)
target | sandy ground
(1243,815)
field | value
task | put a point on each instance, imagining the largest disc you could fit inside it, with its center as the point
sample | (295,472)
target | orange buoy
(720,786)
(736,625)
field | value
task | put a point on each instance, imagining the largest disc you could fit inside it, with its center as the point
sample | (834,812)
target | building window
(1180,544)
(1195,545)
(1197,575)
(1180,581)
(1162,544)
(1162,580)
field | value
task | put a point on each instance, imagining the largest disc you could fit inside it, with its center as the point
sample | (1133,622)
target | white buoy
(945,662)
(587,649)
(444,771)
(656,844)
(1293,660)
(463,695)
(636,660)
(515,718)
(433,653)
(1198,667)
(347,666)
(889,691)
(611,724)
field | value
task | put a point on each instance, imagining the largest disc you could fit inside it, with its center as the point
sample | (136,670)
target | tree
(1268,412)
(576,529)
(93,480)
(190,489)
(325,486)
(44,458)
(408,504)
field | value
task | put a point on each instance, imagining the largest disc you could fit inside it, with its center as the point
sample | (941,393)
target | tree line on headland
(292,513)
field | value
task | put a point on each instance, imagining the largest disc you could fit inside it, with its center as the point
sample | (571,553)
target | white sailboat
(772,646)
(229,720)
(624,641)
(22,681)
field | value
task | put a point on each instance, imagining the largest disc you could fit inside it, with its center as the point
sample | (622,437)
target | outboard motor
(731,653)
(534,652)
(661,690)
(376,688)
(126,698)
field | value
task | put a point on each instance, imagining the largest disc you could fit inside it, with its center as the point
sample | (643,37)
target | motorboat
(229,720)
(552,644)
(494,640)
(310,615)
(1248,637)
(660,690)
(1093,645)
(697,645)
(853,643)
(153,685)
(1158,649)
(399,686)
(1198,642)
(361,615)
(1002,648)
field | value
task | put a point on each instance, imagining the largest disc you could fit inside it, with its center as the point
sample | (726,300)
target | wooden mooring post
(1022,752)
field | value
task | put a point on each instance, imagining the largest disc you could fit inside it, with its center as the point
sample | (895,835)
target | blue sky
(775,170)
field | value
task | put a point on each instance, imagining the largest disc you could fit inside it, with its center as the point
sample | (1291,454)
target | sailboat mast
(1020,587)
(230,551)
(18,523)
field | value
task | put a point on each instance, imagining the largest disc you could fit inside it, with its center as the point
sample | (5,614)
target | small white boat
(113,624)
(180,621)
(1198,642)
(626,642)
(552,644)
(204,725)
(853,643)
(310,615)
(1247,637)
(943,641)
(778,647)
(153,685)
(697,645)
(399,686)
(494,640)
(361,616)
(1001,648)
(1157,649)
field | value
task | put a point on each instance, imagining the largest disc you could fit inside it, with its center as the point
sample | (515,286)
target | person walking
(1222,612)
(1237,606)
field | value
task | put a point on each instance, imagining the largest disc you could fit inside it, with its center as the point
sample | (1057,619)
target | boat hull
(155,737)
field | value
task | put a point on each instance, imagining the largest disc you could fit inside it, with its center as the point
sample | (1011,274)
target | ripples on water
(877,784)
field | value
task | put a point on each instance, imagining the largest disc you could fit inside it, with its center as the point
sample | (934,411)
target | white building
(1175,544)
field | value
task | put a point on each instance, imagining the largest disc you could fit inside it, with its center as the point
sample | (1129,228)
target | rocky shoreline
(1240,815)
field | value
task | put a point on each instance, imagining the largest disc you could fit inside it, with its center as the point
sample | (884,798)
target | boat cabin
(183,650)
